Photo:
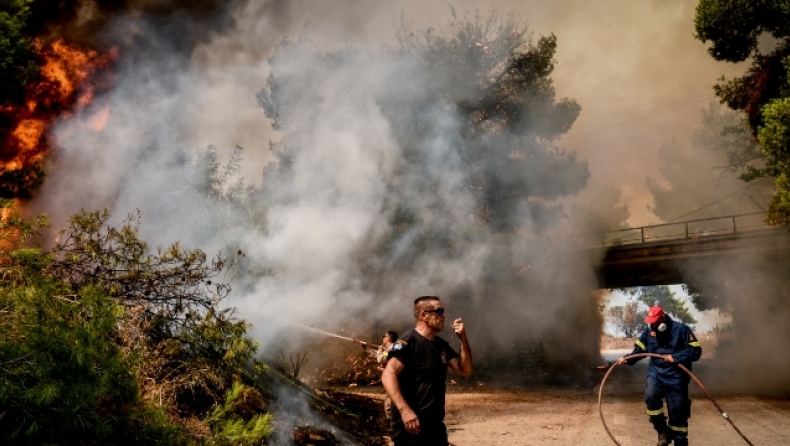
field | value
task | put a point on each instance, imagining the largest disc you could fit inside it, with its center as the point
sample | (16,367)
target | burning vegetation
(67,81)
(432,164)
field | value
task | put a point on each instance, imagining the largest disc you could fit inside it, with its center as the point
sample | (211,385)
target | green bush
(106,343)
(63,379)
(229,428)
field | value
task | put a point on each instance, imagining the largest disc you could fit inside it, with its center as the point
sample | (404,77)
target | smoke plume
(365,198)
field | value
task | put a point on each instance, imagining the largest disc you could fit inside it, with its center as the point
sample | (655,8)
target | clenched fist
(458,327)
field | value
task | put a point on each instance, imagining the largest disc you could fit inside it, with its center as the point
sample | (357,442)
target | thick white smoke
(187,81)
(312,253)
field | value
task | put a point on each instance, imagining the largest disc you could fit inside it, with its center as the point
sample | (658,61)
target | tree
(444,144)
(774,136)
(498,80)
(482,85)
(734,29)
(628,319)
(665,298)
(17,55)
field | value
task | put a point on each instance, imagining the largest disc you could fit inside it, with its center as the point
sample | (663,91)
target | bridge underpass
(737,265)
(662,254)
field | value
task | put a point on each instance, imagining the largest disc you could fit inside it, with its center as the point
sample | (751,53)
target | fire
(66,66)
(28,133)
(69,79)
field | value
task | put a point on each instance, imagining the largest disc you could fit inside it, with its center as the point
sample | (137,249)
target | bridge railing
(692,229)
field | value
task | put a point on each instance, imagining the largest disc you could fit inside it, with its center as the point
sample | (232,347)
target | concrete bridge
(660,254)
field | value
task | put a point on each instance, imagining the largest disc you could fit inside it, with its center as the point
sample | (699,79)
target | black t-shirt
(422,380)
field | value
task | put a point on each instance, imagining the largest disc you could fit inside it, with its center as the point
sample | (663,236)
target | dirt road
(564,417)
(570,417)
(483,416)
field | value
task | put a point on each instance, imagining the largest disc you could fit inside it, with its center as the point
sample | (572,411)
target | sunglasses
(438,311)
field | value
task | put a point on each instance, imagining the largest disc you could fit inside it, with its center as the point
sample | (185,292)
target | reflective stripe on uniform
(678,428)
(694,344)
(655,412)
(640,345)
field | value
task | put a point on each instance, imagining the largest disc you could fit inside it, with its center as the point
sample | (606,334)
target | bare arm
(463,363)
(390,380)
(381,355)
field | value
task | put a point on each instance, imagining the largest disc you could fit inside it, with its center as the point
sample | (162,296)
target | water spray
(682,367)
(346,338)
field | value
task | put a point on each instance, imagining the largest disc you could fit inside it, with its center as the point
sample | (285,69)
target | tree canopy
(664,297)
(443,143)
(17,54)
(734,29)
(628,318)
(482,85)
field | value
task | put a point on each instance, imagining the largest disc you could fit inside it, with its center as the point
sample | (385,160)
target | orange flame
(28,132)
(70,77)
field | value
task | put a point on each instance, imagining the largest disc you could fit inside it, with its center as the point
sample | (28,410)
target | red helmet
(654,314)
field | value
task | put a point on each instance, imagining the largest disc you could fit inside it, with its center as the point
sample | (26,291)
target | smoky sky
(188,75)
(635,68)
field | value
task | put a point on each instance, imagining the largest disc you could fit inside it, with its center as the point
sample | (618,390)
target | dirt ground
(570,417)
(481,415)
(491,413)
(540,417)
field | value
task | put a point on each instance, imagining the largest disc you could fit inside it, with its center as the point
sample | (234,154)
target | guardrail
(691,230)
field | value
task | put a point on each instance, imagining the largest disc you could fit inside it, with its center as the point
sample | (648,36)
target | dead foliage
(187,349)
(350,365)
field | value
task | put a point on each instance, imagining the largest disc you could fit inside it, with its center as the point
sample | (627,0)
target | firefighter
(665,380)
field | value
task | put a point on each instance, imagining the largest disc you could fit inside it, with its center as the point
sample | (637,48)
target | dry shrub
(188,350)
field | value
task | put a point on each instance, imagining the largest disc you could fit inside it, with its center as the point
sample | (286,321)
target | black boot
(663,439)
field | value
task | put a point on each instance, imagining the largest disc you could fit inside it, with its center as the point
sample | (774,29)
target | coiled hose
(682,367)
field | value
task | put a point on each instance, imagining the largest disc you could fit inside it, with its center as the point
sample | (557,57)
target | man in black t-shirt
(415,376)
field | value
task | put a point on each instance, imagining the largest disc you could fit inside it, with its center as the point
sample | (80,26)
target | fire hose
(682,367)
(345,338)
(365,344)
